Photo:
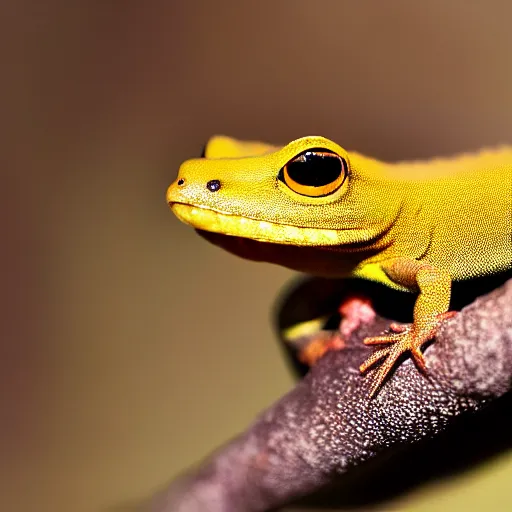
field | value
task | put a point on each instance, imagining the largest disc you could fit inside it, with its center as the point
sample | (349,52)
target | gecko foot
(402,339)
(319,346)
(355,311)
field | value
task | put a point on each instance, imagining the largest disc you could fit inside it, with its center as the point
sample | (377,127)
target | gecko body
(314,207)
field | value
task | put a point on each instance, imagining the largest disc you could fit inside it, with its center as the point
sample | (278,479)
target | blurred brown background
(131,347)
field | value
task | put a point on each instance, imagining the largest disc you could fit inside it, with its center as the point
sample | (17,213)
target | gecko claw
(403,338)
(396,327)
(386,338)
(374,358)
(419,359)
(400,343)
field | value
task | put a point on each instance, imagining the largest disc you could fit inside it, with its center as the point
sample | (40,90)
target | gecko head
(298,194)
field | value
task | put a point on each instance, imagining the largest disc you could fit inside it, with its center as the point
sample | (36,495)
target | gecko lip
(206,219)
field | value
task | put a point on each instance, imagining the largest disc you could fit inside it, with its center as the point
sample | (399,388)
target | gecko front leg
(430,309)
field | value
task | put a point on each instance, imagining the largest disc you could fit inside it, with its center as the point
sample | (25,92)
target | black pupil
(315,169)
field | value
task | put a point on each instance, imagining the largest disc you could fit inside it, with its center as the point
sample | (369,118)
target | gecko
(314,207)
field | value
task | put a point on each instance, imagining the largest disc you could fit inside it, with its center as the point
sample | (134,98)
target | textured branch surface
(326,430)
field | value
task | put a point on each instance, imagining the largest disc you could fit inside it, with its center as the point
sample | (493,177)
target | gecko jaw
(264,231)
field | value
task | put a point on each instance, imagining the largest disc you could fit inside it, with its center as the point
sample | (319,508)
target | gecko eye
(314,173)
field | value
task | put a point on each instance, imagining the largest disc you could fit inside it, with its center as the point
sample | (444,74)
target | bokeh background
(132,348)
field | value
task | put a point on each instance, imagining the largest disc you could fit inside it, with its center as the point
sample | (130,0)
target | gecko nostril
(181,181)
(213,185)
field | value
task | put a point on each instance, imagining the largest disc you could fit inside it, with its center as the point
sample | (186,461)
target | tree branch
(326,429)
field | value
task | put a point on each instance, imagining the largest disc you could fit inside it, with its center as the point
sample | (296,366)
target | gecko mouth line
(206,219)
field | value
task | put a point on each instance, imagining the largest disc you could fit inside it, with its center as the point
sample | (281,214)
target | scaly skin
(414,226)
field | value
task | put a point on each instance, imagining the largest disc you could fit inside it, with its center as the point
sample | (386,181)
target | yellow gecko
(314,207)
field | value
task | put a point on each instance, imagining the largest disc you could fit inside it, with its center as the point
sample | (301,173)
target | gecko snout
(176,189)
